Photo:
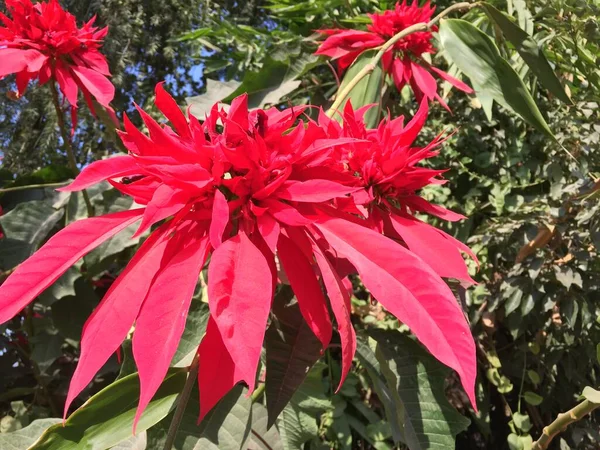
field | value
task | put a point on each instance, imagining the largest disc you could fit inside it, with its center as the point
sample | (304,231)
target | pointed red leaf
(61,251)
(453,81)
(418,203)
(110,322)
(240,289)
(161,321)
(96,84)
(219,219)
(313,190)
(432,246)
(165,202)
(218,373)
(340,304)
(169,107)
(305,285)
(411,291)
(104,169)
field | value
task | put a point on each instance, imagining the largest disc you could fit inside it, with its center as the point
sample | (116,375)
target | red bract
(42,41)
(403,61)
(389,171)
(245,188)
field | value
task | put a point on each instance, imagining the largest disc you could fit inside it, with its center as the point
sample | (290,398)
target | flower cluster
(404,60)
(42,41)
(245,190)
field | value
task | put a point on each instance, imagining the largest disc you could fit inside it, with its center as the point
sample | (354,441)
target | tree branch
(562,422)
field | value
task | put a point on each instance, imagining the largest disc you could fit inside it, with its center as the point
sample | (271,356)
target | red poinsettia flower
(245,187)
(404,61)
(389,171)
(42,41)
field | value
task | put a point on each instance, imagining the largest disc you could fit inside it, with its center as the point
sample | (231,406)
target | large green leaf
(366,356)
(530,51)
(261,436)
(297,423)
(216,91)
(23,438)
(367,91)
(292,349)
(477,56)
(226,426)
(70,312)
(106,419)
(276,79)
(25,228)
(416,381)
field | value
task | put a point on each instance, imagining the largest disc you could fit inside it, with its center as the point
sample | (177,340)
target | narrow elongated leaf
(161,320)
(367,91)
(340,304)
(530,51)
(477,56)
(106,419)
(240,289)
(56,256)
(292,349)
(110,322)
(411,291)
(416,380)
(304,282)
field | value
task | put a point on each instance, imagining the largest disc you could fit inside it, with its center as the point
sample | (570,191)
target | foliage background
(533,222)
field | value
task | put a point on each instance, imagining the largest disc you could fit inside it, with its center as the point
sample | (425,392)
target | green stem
(258,392)
(182,403)
(562,422)
(67,143)
(32,186)
(423,26)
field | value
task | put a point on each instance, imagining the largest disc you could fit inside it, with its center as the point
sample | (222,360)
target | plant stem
(562,422)
(33,186)
(67,143)
(258,392)
(182,403)
(423,26)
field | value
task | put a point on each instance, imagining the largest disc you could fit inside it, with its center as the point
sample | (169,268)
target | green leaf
(275,80)
(195,326)
(367,91)
(106,419)
(70,313)
(366,355)
(532,398)
(522,421)
(23,438)
(530,51)
(25,228)
(262,437)
(225,427)
(598,353)
(137,442)
(591,395)
(216,91)
(46,349)
(297,422)
(416,380)
(292,349)
(477,56)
